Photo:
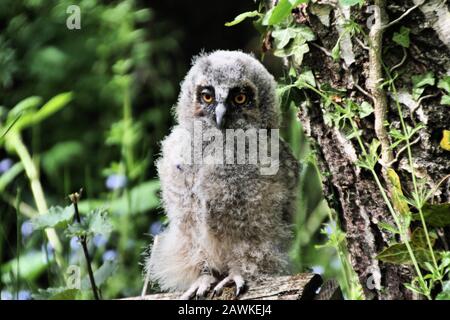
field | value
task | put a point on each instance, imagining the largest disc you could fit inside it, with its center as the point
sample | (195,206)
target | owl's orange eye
(240,98)
(207,98)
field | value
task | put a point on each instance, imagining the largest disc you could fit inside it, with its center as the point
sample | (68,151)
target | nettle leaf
(445,142)
(445,294)
(56,294)
(349,3)
(365,109)
(101,275)
(94,223)
(242,17)
(419,83)
(444,84)
(281,11)
(437,215)
(445,100)
(398,253)
(55,217)
(402,37)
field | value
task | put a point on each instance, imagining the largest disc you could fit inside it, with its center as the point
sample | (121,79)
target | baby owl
(228,222)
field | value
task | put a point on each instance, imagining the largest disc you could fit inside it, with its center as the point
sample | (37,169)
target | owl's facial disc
(230,102)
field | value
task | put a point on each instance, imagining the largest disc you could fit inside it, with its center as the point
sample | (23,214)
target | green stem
(413,176)
(36,189)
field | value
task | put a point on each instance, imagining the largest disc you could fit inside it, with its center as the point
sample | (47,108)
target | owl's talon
(236,278)
(199,288)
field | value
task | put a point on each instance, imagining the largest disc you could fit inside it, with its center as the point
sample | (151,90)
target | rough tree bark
(351,191)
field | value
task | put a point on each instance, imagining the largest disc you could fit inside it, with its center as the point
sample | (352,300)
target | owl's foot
(199,288)
(232,277)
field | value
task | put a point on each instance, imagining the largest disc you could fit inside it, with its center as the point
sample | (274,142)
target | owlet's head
(228,90)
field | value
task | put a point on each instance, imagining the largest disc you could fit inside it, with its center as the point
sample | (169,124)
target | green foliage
(420,82)
(56,217)
(95,222)
(56,294)
(351,2)
(282,10)
(241,17)
(402,37)
(444,84)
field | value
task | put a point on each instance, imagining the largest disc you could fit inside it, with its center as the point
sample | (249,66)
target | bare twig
(321,49)
(399,152)
(374,80)
(74,198)
(402,16)
(398,65)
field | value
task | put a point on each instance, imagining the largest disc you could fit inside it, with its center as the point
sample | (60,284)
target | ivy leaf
(402,37)
(365,109)
(445,142)
(444,84)
(242,17)
(419,82)
(282,37)
(281,11)
(437,215)
(305,77)
(350,3)
(56,294)
(55,217)
(100,275)
(445,100)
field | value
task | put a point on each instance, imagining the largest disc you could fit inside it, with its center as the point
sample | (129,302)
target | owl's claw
(199,288)
(238,281)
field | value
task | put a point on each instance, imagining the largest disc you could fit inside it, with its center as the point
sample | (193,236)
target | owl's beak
(220,113)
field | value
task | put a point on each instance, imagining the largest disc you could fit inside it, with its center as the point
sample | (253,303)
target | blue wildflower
(116,181)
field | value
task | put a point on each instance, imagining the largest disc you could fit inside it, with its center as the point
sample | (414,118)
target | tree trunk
(350,190)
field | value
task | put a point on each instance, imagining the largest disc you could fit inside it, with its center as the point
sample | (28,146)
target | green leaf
(55,217)
(31,265)
(100,275)
(349,3)
(365,109)
(444,84)
(398,253)
(445,294)
(301,34)
(281,11)
(27,105)
(437,215)
(53,105)
(95,222)
(56,294)
(305,77)
(402,37)
(419,83)
(336,51)
(397,193)
(388,227)
(445,100)
(242,17)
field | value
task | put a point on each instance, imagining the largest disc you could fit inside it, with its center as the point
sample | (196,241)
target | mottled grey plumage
(227,222)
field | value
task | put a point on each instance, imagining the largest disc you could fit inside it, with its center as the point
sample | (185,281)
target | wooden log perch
(303,286)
